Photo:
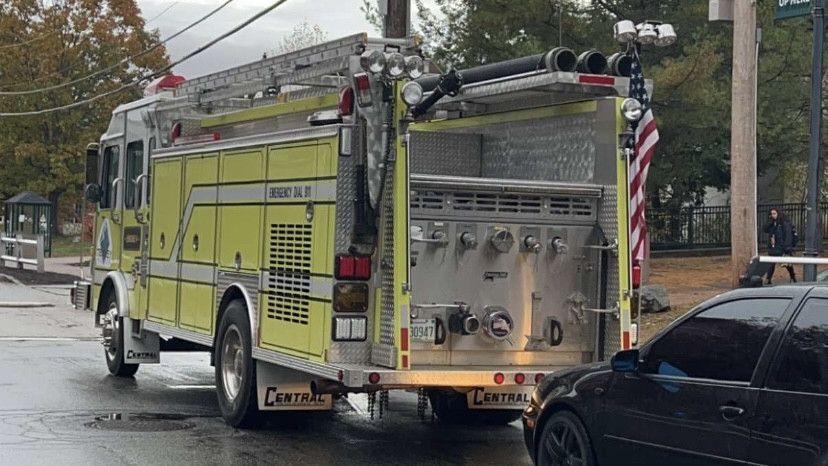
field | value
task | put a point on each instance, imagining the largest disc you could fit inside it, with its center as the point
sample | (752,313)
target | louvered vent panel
(289,284)
(510,205)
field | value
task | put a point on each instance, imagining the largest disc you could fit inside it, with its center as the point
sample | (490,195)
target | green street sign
(792,8)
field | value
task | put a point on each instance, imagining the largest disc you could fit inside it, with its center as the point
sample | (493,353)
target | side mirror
(625,361)
(91,163)
(93,193)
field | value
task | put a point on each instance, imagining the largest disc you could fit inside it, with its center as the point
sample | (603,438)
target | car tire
(564,439)
(113,332)
(453,408)
(235,368)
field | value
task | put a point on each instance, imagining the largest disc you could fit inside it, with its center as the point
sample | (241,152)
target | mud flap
(281,389)
(500,397)
(143,348)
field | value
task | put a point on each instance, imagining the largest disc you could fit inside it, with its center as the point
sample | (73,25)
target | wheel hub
(109,332)
(232,363)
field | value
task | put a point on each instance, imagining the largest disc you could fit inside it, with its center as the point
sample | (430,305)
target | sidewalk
(67,266)
(59,320)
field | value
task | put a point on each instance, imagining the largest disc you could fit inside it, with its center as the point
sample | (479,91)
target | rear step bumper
(358,376)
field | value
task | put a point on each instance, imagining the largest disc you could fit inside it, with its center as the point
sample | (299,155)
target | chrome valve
(533,244)
(468,240)
(558,245)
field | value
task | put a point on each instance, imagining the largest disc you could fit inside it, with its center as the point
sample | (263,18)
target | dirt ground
(31,277)
(690,281)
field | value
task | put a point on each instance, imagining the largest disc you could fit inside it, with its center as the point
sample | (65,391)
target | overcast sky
(337,18)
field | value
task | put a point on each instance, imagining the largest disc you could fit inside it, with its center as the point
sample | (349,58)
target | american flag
(646,137)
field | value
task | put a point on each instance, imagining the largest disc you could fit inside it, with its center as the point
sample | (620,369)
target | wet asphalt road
(52,391)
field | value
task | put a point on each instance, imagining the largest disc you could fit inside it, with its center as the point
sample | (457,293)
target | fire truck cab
(336,220)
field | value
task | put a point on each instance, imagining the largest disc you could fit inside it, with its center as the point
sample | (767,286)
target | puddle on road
(141,422)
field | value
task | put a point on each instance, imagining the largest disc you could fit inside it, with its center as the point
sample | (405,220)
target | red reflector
(346,101)
(520,378)
(363,268)
(594,79)
(374,378)
(405,362)
(625,341)
(538,378)
(403,339)
(499,378)
(636,276)
(363,85)
(353,268)
(345,267)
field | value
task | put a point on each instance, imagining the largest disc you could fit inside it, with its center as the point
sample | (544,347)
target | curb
(21,304)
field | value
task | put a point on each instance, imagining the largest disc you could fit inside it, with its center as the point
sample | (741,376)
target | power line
(147,76)
(123,61)
(161,14)
(77,64)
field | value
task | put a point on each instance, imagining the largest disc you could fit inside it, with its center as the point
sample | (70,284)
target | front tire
(235,368)
(564,442)
(113,336)
(453,408)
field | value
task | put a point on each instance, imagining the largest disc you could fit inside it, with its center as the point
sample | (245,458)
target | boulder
(654,298)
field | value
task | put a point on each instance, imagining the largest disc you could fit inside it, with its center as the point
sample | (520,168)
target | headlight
(373,61)
(415,66)
(412,94)
(631,110)
(395,65)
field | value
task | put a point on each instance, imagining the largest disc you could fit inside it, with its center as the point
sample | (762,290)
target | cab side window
(135,167)
(722,343)
(110,172)
(802,364)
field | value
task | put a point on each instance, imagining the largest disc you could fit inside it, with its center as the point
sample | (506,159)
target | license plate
(423,330)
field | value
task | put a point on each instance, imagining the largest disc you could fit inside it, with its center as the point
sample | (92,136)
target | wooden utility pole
(397,21)
(743,134)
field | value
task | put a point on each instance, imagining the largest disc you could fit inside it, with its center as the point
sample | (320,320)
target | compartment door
(297,260)
(197,269)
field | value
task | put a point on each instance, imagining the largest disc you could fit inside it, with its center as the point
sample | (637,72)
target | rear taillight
(353,268)
(363,90)
(346,101)
(636,275)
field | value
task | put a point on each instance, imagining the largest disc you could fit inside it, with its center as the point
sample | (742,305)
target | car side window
(721,343)
(802,364)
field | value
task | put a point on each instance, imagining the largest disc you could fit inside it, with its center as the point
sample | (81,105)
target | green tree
(44,44)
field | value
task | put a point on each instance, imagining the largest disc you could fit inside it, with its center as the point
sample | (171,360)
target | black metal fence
(709,227)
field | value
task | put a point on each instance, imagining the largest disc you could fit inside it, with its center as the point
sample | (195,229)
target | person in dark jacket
(780,241)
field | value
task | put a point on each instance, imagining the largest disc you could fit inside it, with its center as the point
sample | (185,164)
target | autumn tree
(45,44)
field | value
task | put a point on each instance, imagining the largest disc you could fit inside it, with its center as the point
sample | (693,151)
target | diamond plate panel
(549,149)
(608,220)
(250,283)
(384,355)
(454,154)
(345,195)
(387,264)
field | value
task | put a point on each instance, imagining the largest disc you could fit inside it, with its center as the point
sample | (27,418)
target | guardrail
(18,243)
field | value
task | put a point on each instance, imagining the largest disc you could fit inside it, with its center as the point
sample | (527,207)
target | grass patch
(70,246)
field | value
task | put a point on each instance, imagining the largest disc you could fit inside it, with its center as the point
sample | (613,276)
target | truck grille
(288,282)
(476,204)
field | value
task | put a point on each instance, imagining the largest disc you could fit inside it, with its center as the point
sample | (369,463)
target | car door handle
(730,412)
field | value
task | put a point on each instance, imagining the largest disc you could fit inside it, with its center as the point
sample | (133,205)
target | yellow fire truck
(338,220)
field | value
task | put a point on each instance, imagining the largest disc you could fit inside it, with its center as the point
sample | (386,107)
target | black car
(741,379)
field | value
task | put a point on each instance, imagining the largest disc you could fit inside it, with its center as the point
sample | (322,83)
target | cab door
(108,222)
(134,227)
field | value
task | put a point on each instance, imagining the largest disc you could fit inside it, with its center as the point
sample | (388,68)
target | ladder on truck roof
(319,66)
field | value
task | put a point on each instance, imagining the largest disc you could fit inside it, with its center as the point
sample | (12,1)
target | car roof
(789,289)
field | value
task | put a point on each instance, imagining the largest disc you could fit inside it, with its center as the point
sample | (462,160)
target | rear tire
(113,331)
(453,408)
(564,441)
(236,369)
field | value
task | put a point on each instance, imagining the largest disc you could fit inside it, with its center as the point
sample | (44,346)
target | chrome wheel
(565,446)
(232,362)
(111,331)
